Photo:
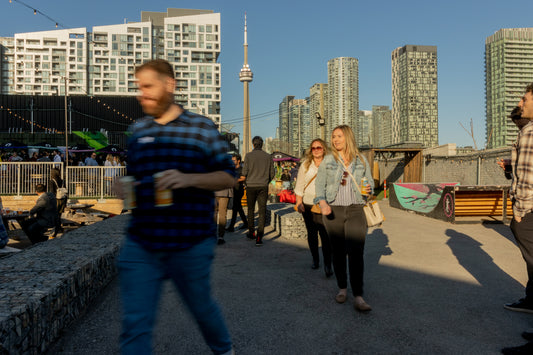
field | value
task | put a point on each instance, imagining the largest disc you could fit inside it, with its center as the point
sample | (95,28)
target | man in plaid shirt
(175,241)
(522,197)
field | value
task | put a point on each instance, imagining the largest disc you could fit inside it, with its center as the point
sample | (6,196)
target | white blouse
(303,178)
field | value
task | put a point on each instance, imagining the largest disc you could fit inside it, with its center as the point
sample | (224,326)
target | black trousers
(523,233)
(34,230)
(237,208)
(259,195)
(347,228)
(315,226)
(61,204)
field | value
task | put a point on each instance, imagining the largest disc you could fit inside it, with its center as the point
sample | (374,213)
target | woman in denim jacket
(342,210)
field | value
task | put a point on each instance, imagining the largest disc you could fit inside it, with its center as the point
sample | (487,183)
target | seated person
(42,216)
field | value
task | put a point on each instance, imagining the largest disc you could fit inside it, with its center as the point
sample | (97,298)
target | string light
(37,11)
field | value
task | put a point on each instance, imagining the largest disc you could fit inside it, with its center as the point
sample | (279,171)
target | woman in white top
(305,193)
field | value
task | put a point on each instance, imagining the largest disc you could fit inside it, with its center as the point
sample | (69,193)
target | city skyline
(290,53)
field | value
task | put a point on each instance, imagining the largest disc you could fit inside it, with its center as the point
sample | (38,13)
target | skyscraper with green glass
(508,70)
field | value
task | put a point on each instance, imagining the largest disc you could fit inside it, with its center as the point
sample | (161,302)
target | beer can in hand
(163,197)
(130,199)
(364,183)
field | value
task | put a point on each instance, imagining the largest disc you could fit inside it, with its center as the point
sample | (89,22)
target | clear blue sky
(290,43)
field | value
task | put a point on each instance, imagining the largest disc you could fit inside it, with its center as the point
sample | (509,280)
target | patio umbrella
(42,145)
(81,148)
(111,149)
(13,145)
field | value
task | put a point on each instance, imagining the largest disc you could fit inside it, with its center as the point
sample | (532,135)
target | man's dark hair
(40,188)
(257,142)
(55,174)
(160,66)
(237,156)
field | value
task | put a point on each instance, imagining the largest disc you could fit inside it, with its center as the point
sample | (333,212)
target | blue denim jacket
(329,178)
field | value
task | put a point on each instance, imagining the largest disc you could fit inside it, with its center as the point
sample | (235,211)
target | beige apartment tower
(343,93)
(415,116)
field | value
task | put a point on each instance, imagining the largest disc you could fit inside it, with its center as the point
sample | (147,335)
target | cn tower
(246,77)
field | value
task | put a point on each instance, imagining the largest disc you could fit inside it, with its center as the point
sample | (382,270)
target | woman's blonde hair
(351,150)
(308,156)
(109,158)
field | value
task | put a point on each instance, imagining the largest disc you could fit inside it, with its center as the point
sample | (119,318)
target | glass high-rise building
(508,70)
(415,114)
(284,129)
(382,126)
(318,97)
(299,126)
(102,62)
(343,93)
(365,129)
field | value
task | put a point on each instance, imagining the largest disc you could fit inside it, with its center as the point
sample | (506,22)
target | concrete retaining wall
(47,286)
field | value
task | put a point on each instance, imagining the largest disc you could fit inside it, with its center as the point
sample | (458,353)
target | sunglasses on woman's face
(317,148)
(344,176)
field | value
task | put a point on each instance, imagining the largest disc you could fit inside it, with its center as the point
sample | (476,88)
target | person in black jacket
(238,192)
(53,186)
(258,171)
(43,215)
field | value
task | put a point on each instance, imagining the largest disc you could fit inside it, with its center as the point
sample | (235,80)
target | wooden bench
(480,200)
(482,203)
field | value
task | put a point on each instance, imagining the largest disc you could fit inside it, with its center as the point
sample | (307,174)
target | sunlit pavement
(435,288)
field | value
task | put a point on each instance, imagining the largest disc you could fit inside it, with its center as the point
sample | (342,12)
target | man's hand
(518,219)
(503,162)
(214,181)
(173,179)
(300,207)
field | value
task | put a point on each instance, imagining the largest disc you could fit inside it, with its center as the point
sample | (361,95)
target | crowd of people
(58,156)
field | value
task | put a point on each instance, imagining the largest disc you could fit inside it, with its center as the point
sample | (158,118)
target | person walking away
(305,194)
(238,193)
(221,211)
(341,203)
(171,237)
(42,216)
(258,172)
(55,186)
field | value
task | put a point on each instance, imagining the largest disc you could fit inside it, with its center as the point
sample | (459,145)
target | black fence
(90,113)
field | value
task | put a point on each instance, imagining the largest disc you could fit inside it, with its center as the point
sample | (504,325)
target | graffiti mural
(419,197)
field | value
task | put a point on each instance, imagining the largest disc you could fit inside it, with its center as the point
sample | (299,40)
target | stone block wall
(285,220)
(47,286)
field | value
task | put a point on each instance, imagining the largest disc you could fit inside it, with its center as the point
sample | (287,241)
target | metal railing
(20,178)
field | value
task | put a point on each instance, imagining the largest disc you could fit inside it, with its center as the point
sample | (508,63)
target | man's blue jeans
(141,275)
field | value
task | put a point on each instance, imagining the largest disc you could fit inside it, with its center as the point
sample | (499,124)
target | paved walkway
(435,288)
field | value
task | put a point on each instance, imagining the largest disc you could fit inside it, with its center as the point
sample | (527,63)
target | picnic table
(78,207)
(16,215)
